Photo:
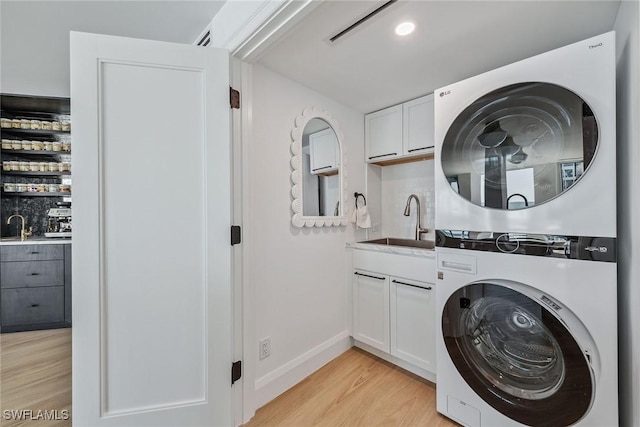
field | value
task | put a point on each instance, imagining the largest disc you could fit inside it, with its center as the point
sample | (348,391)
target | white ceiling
(372,68)
(35,34)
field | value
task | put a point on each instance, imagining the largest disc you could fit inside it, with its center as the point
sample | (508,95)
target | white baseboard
(276,382)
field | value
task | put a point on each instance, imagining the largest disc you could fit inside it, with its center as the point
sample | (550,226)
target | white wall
(627,28)
(299,277)
(398,182)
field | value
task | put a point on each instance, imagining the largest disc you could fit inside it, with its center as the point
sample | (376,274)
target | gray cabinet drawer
(27,274)
(32,306)
(31,252)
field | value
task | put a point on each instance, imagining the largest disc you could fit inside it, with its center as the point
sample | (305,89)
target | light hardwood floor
(355,389)
(35,375)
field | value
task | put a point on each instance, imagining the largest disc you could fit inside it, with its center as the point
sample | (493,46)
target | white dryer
(531,146)
(527,337)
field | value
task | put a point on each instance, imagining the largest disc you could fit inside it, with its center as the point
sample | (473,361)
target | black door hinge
(236,371)
(234,98)
(236,235)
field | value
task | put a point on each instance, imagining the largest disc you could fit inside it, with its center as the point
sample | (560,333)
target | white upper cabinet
(400,133)
(417,117)
(324,152)
(383,134)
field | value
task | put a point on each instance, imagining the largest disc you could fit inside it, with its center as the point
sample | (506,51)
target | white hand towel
(354,215)
(363,220)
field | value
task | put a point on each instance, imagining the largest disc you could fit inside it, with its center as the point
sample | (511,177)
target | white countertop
(391,249)
(35,241)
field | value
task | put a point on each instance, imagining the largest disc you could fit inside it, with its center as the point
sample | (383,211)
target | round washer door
(517,355)
(519,146)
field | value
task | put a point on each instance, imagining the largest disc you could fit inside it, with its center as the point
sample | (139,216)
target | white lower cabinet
(371,309)
(393,312)
(412,322)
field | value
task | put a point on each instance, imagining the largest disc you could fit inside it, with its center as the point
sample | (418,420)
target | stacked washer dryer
(526,242)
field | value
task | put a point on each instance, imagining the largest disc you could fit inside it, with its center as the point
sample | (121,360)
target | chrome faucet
(407,212)
(23,233)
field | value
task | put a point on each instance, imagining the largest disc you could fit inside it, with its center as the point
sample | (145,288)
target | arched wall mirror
(318,177)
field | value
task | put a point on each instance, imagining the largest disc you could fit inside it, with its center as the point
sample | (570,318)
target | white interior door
(151,253)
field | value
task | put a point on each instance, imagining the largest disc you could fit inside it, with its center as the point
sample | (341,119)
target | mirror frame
(297,217)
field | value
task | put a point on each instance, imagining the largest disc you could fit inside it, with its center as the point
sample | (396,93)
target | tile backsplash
(400,181)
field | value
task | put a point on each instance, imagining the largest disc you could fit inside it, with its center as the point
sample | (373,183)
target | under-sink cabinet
(400,133)
(35,287)
(394,309)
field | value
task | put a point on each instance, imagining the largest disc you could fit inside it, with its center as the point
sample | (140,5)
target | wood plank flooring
(35,375)
(355,389)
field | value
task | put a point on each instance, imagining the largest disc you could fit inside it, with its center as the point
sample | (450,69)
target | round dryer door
(517,356)
(519,146)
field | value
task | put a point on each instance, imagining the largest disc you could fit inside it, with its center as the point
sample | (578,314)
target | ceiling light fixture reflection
(405,28)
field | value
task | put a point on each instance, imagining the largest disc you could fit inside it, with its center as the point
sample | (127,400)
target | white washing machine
(531,146)
(528,331)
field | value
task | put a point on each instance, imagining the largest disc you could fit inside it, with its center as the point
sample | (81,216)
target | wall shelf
(37,132)
(31,173)
(34,194)
(36,152)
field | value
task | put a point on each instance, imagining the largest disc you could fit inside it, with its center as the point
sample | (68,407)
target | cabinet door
(323,148)
(31,252)
(371,309)
(383,134)
(29,274)
(32,306)
(413,322)
(418,126)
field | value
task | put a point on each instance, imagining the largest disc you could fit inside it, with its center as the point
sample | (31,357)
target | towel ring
(357,195)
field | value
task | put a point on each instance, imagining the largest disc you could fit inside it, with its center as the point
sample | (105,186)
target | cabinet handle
(382,155)
(367,275)
(34,274)
(324,167)
(418,149)
(34,253)
(411,284)
(35,305)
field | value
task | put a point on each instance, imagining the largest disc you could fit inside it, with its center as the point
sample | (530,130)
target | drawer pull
(34,274)
(412,285)
(35,305)
(382,155)
(35,253)
(367,275)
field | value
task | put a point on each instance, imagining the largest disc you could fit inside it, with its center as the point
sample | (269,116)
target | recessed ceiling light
(405,28)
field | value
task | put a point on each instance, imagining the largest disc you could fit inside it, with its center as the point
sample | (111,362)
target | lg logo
(446,92)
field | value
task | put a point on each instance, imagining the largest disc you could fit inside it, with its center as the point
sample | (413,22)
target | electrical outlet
(265,347)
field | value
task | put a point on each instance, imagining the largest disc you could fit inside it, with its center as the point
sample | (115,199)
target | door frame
(246,33)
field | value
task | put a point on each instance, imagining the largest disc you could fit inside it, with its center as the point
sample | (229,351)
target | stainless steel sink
(390,241)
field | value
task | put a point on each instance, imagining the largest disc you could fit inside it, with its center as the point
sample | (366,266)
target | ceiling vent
(361,21)
(204,39)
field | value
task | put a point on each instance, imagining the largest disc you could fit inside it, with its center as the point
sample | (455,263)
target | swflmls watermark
(35,415)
